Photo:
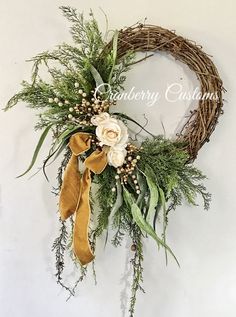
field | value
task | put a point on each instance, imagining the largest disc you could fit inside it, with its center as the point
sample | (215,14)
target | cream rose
(112,132)
(116,156)
(100,118)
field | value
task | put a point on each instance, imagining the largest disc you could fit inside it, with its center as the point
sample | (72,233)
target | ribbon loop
(74,195)
(96,162)
(79,143)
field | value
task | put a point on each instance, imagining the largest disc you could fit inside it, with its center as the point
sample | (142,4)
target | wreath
(137,185)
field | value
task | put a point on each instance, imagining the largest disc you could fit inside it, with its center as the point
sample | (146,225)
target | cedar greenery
(164,173)
(73,64)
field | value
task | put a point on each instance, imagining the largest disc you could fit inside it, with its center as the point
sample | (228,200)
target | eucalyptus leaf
(98,79)
(58,148)
(141,222)
(116,206)
(37,149)
(154,197)
(119,199)
(143,189)
(163,205)
(57,152)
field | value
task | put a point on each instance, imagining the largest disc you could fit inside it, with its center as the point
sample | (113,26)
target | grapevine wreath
(137,185)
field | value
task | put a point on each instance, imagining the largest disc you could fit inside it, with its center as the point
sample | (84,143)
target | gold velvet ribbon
(74,195)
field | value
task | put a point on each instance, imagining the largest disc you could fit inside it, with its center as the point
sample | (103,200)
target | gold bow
(74,195)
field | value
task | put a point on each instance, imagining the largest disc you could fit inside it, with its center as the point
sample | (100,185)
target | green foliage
(166,179)
(137,264)
(37,149)
(105,197)
(84,33)
(168,166)
(59,247)
(164,176)
(143,224)
(122,222)
(68,65)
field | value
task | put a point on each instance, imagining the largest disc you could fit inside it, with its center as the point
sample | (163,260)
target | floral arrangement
(137,185)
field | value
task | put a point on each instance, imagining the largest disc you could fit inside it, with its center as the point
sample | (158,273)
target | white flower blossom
(112,132)
(116,156)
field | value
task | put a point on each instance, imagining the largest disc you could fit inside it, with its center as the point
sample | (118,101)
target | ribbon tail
(81,243)
(70,190)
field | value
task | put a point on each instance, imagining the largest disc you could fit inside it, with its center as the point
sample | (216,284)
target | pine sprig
(137,264)
(122,223)
(105,198)
(67,65)
(59,247)
(171,171)
(85,33)
(61,169)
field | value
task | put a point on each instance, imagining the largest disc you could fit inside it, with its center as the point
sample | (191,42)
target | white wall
(203,241)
